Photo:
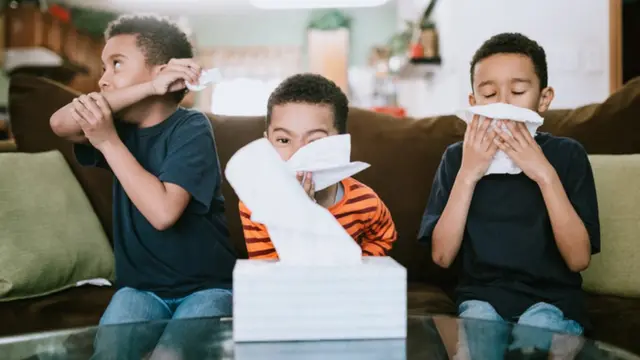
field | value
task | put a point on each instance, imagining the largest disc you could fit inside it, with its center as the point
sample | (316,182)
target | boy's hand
(523,149)
(478,149)
(173,76)
(93,114)
(307,184)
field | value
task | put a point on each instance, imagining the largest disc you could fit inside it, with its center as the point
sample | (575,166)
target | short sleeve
(192,161)
(87,155)
(581,191)
(440,190)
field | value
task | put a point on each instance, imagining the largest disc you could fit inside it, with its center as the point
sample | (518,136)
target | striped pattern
(360,211)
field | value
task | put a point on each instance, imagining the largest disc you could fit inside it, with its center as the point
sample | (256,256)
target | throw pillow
(50,238)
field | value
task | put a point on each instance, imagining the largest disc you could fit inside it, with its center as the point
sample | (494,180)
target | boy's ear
(546,97)
(264,133)
(472,99)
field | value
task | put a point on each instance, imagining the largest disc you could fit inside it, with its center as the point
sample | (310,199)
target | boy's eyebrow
(485,83)
(521,80)
(308,132)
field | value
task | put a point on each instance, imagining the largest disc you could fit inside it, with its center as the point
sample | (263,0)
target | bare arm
(448,233)
(477,152)
(569,231)
(66,127)
(160,203)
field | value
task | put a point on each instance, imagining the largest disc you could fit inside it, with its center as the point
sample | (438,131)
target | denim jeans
(129,306)
(534,329)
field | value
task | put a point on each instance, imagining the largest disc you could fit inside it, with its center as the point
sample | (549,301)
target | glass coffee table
(437,337)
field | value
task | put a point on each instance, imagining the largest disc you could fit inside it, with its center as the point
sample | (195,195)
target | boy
(523,239)
(302,109)
(171,243)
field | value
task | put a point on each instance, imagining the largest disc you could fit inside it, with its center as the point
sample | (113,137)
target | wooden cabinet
(40,43)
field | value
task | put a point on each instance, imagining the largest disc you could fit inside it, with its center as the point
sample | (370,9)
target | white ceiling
(168,7)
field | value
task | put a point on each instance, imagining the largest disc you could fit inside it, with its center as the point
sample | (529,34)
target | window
(242,96)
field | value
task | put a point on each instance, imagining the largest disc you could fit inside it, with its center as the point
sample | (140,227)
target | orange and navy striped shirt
(360,211)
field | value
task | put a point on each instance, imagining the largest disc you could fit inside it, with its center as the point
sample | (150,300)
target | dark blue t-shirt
(509,256)
(195,253)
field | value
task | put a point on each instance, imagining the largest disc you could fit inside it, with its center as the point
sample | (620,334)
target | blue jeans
(131,306)
(534,329)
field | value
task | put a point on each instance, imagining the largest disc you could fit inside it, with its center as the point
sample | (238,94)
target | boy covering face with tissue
(171,243)
(522,237)
(305,108)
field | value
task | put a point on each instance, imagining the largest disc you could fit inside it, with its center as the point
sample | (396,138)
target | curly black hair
(312,89)
(159,39)
(514,43)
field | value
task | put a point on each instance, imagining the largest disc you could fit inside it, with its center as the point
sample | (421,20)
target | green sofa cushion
(615,270)
(50,238)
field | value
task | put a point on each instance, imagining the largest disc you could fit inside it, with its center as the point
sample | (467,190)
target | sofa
(404,154)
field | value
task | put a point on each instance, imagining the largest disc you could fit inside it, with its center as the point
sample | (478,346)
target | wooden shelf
(419,67)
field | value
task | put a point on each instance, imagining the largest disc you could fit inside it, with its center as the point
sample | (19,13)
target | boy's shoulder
(189,120)
(357,191)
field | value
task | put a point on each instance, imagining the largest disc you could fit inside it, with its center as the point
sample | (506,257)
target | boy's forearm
(123,98)
(64,126)
(569,231)
(448,232)
(145,190)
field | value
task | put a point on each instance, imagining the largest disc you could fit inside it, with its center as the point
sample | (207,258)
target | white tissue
(302,231)
(328,159)
(207,77)
(501,163)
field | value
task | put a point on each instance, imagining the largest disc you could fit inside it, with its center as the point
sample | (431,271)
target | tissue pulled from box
(328,159)
(301,231)
(501,163)
(207,77)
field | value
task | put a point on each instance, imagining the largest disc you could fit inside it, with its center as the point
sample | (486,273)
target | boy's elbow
(55,122)
(580,264)
(440,259)
(164,220)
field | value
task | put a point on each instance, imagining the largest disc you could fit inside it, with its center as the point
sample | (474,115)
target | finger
(91,105)
(488,140)
(190,63)
(471,134)
(193,73)
(79,119)
(508,138)
(482,130)
(516,133)
(102,104)
(503,146)
(526,134)
(493,146)
(82,111)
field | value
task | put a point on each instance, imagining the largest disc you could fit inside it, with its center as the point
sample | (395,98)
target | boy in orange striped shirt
(302,109)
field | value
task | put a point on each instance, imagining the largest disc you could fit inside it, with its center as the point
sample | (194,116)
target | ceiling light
(315,4)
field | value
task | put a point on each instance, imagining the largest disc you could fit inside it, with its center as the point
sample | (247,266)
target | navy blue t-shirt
(509,256)
(193,254)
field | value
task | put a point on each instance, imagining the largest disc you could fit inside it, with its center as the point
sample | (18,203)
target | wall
(574,33)
(369,27)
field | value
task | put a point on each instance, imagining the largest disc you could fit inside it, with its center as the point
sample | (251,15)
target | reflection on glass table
(437,337)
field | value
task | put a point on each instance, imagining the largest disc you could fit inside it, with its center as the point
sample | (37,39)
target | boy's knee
(547,316)
(481,310)
(130,305)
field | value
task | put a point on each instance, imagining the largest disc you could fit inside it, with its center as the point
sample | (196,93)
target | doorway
(624,30)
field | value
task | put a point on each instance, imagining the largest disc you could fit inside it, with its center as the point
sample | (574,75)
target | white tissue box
(273,301)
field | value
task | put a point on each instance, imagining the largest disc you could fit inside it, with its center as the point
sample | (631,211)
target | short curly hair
(514,43)
(311,89)
(159,39)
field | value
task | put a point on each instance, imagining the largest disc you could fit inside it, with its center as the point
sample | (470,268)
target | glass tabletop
(437,337)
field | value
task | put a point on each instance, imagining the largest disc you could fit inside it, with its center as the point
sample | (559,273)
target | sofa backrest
(404,153)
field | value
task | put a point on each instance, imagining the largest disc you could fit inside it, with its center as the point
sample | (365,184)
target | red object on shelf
(417,51)
(60,13)
(391,110)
